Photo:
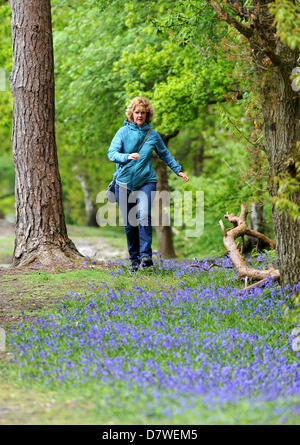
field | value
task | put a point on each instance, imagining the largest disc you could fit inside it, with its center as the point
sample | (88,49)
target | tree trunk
(274,62)
(198,161)
(280,106)
(41,234)
(90,208)
(257,223)
(163,233)
(198,157)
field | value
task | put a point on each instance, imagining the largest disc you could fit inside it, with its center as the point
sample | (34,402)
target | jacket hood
(133,126)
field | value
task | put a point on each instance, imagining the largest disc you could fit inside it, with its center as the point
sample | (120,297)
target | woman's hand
(184,176)
(133,156)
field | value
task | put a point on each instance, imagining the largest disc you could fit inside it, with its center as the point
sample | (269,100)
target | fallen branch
(262,237)
(222,227)
(239,229)
(253,285)
(211,266)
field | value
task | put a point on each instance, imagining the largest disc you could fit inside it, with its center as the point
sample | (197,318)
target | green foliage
(178,77)
(174,53)
(178,86)
(5,67)
(6,165)
(292,309)
(287,186)
(101,71)
(227,178)
(287,21)
(88,98)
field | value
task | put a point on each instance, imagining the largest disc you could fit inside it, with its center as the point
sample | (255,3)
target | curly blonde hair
(143,102)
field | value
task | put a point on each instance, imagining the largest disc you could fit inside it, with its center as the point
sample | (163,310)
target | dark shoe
(133,267)
(146,261)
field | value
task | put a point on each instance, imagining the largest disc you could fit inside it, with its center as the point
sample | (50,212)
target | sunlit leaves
(6,163)
(287,20)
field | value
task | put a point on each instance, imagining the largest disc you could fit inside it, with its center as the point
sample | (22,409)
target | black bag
(111,189)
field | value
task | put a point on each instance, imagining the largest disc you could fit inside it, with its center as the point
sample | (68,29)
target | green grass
(28,401)
(96,406)
(93,232)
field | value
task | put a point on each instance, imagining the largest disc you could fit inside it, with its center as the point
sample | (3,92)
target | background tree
(134,59)
(41,233)
(273,62)
(178,86)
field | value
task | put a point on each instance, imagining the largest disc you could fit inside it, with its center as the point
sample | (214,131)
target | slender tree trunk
(41,233)
(163,233)
(198,158)
(90,208)
(257,216)
(257,223)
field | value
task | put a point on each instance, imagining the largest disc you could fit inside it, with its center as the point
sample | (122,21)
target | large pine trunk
(41,234)
(280,105)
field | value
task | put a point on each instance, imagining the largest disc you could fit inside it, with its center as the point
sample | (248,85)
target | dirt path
(99,248)
(90,247)
(6,228)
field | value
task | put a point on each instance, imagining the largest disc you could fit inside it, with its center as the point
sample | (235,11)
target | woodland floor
(25,291)
(33,294)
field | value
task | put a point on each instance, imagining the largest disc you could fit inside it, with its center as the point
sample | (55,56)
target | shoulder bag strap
(142,143)
(144,140)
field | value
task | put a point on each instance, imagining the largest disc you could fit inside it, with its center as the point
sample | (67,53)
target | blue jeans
(136,213)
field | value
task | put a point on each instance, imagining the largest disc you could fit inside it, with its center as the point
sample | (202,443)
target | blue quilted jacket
(136,173)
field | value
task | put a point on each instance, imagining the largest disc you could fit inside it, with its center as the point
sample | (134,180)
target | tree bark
(257,223)
(90,208)
(164,233)
(280,106)
(41,234)
(198,155)
(273,62)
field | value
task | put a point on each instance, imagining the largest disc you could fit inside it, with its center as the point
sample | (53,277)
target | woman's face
(139,115)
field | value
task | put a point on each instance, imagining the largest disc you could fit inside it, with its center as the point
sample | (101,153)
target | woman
(131,149)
